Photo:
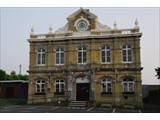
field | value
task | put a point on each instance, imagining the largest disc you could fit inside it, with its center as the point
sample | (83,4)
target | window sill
(59,93)
(105,62)
(106,93)
(40,93)
(128,93)
(41,65)
(127,62)
(82,63)
(59,64)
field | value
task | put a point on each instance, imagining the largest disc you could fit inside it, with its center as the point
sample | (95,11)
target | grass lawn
(7,102)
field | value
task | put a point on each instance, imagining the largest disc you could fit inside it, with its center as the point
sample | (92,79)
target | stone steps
(77,104)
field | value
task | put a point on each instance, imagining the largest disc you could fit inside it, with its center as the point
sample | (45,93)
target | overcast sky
(17,22)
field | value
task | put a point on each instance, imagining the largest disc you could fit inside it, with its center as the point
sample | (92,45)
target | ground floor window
(128,85)
(106,86)
(40,86)
(59,87)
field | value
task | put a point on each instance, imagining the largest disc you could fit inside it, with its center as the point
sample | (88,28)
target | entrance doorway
(82,91)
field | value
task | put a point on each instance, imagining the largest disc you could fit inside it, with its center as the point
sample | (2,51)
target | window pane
(79,57)
(43,58)
(129,55)
(109,87)
(62,87)
(103,56)
(125,87)
(38,88)
(62,58)
(104,88)
(108,53)
(124,56)
(57,87)
(42,88)
(84,57)
(131,87)
(39,59)
(57,58)
(129,58)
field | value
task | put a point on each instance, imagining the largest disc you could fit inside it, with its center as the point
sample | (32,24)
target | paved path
(60,109)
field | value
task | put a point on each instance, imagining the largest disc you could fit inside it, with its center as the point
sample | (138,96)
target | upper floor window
(41,54)
(105,54)
(127,53)
(40,86)
(59,56)
(107,85)
(128,85)
(82,55)
(60,86)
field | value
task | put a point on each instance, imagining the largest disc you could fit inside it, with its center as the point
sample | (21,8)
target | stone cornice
(67,38)
(62,71)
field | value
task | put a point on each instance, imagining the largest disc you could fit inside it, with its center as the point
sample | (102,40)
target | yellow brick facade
(94,71)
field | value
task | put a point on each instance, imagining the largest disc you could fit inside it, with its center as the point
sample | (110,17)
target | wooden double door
(82,91)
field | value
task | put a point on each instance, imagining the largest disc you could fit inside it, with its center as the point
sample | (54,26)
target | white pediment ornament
(81,24)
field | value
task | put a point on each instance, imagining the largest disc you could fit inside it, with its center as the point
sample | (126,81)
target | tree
(158,72)
(2,75)
(12,76)
(22,77)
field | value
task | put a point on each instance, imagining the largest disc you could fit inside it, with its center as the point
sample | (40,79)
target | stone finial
(50,29)
(115,25)
(136,24)
(32,30)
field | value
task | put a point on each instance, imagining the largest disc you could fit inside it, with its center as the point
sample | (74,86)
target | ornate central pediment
(82,21)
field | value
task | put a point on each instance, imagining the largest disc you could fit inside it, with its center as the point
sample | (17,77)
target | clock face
(82,25)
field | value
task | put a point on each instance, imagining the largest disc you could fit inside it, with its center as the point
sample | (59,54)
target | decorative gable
(81,20)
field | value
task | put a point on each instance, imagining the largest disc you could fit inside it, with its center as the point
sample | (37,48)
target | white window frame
(127,54)
(60,51)
(105,50)
(41,52)
(129,82)
(59,85)
(106,82)
(40,83)
(82,50)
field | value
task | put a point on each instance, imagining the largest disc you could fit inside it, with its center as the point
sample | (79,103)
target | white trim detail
(82,80)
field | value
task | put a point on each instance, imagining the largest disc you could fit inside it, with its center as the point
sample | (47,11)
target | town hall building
(86,61)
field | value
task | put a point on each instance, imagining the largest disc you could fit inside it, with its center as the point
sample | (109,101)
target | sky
(15,25)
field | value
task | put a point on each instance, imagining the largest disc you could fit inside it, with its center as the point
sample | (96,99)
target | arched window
(127,53)
(106,85)
(40,86)
(59,56)
(105,54)
(82,55)
(128,85)
(60,86)
(41,54)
